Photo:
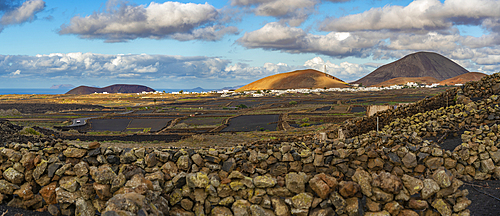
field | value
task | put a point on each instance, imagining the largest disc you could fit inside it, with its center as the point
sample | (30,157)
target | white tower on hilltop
(325,70)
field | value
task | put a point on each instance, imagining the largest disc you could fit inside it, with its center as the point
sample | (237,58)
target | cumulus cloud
(292,12)
(392,32)
(120,23)
(420,14)
(14,14)
(276,36)
(344,70)
(101,66)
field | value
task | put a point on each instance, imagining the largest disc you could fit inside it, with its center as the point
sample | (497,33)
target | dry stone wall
(481,89)
(394,172)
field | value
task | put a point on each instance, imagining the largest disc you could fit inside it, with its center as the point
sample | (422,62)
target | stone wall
(393,172)
(483,88)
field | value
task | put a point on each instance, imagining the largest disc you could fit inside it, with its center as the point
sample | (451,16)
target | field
(165,119)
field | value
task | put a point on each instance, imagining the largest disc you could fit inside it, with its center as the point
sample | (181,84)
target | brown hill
(404,80)
(119,88)
(462,79)
(296,79)
(420,64)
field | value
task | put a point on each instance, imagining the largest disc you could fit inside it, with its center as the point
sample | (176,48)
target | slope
(295,80)
(420,64)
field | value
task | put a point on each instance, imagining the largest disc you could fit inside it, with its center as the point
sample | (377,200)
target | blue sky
(212,44)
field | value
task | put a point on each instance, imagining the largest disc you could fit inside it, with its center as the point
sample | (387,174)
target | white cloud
(156,21)
(344,70)
(292,12)
(101,66)
(420,14)
(20,14)
(275,36)
(15,73)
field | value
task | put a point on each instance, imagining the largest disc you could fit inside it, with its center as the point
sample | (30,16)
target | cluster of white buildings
(354,88)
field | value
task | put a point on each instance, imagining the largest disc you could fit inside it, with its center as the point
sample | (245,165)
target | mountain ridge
(117,88)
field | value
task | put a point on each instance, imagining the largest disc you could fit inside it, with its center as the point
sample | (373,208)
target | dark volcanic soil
(483,204)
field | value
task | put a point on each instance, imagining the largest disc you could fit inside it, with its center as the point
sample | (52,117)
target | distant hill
(231,87)
(462,79)
(119,88)
(296,79)
(404,80)
(62,86)
(420,64)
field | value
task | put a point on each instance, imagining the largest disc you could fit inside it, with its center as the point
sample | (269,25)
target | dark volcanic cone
(420,64)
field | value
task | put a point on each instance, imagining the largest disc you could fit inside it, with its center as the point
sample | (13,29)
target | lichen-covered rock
(264,181)
(382,196)
(241,208)
(442,207)
(74,152)
(197,180)
(461,204)
(68,183)
(295,182)
(64,196)
(13,175)
(25,192)
(7,187)
(103,175)
(40,169)
(387,182)
(280,207)
(413,185)
(302,201)
(381,213)
(220,211)
(364,180)
(442,177)
(84,207)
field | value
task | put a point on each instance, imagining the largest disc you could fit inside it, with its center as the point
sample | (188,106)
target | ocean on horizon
(4,91)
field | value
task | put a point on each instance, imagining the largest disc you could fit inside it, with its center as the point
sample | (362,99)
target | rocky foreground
(397,171)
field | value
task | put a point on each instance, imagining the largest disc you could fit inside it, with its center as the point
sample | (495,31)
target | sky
(215,44)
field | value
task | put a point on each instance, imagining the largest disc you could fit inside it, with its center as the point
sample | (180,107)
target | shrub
(30,131)
(292,102)
(305,125)
(242,106)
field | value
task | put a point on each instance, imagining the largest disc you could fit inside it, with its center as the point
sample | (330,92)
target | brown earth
(404,80)
(296,79)
(462,79)
(118,88)
(420,64)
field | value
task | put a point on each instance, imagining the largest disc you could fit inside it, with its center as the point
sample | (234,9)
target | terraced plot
(109,124)
(152,125)
(248,123)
